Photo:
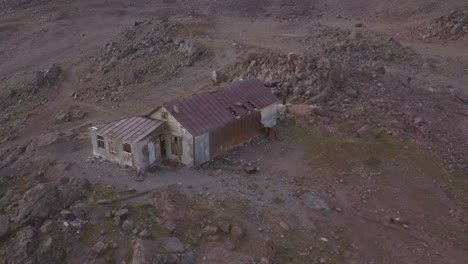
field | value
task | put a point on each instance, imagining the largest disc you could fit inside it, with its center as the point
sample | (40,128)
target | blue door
(202,148)
(151,153)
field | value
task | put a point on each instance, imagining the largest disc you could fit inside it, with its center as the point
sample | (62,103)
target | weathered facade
(133,141)
(195,129)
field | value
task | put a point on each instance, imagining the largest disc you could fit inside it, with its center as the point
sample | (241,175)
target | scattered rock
(81,210)
(99,247)
(47,226)
(225,226)
(236,231)
(145,233)
(250,169)
(67,215)
(127,225)
(117,220)
(284,226)
(210,230)
(380,69)
(172,244)
(121,212)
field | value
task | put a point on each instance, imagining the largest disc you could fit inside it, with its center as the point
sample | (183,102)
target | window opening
(245,108)
(233,112)
(251,105)
(100,142)
(239,104)
(127,148)
(164,115)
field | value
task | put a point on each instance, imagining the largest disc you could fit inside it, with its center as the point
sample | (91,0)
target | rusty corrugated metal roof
(130,129)
(203,112)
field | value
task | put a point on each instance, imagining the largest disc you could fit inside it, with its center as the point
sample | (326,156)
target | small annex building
(191,130)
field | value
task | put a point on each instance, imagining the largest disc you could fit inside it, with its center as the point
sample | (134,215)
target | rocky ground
(370,166)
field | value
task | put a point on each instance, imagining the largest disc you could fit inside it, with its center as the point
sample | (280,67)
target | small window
(233,112)
(245,108)
(127,148)
(112,147)
(251,105)
(164,115)
(100,142)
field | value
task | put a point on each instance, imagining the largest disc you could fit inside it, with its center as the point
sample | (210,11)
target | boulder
(27,247)
(145,233)
(172,244)
(99,247)
(39,203)
(237,231)
(81,210)
(19,250)
(121,212)
(73,189)
(127,225)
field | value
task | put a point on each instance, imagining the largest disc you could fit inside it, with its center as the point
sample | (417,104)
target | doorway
(151,153)
(162,146)
(176,145)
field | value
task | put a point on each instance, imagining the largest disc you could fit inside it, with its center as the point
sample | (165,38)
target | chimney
(176,108)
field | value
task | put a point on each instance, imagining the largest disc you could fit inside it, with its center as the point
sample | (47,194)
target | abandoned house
(191,130)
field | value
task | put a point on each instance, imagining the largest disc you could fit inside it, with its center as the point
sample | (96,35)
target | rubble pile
(345,81)
(452,26)
(362,46)
(343,60)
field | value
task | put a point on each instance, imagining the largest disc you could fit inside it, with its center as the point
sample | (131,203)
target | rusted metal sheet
(234,133)
(202,148)
(131,129)
(207,111)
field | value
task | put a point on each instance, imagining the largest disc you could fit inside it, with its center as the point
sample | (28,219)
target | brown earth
(370,168)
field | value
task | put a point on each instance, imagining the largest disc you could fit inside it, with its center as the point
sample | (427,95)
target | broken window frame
(100,142)
(127,148)
(233,112)
(254,107)
(164,115)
